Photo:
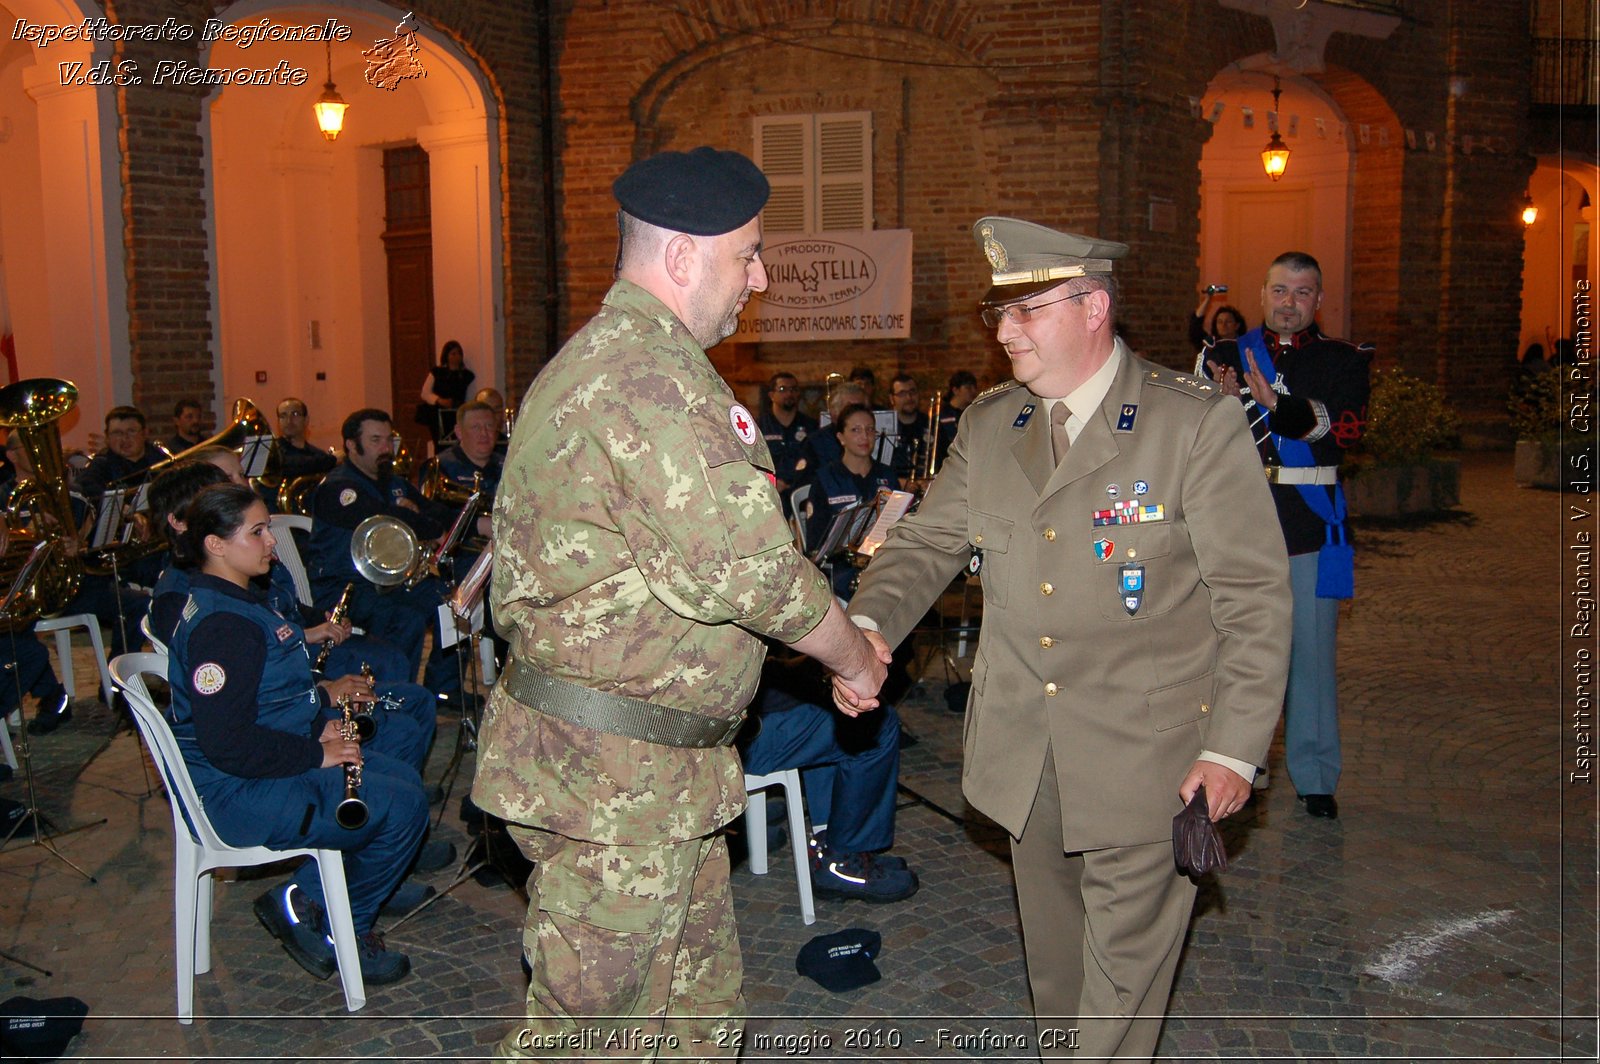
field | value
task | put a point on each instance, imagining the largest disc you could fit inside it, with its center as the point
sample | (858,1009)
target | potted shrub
(1536,408)
(1396,470)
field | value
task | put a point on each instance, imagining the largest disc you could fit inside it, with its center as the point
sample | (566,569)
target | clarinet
(366,723)
(352,811)
(341,610)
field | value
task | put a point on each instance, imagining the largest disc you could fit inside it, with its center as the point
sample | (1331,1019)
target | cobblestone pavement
(1447,915)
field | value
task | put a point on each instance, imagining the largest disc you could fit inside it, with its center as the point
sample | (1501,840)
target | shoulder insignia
(1181,382)
(208,678)
(1003,386)
(347,496)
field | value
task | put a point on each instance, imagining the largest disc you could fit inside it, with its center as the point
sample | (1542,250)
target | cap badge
(993,250)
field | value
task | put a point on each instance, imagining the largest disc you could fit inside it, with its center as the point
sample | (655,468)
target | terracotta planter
(1399,491)
(1534,465)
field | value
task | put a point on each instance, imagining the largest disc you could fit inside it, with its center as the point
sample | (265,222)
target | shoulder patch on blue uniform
(190,608)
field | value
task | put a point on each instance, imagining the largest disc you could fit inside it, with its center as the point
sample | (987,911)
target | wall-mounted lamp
(330,106)
(1275,156)
(1530,213)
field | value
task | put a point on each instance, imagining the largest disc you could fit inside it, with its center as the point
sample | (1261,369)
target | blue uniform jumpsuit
(247,717)
(405,729)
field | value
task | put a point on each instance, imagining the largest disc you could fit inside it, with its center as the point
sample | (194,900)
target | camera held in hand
(1216,289)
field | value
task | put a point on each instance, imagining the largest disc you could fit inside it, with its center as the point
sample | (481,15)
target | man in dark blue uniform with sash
(1306,398)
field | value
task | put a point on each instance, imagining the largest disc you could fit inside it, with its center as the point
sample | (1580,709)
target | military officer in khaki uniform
(1134,589)
(640,556)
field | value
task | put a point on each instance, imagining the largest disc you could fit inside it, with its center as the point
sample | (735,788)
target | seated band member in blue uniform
(473,461)
(853,765)
(852,477)
(268,765)
(359,487)
(408,710)
(350,652)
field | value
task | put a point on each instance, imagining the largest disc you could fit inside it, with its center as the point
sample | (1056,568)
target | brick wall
(1074,113)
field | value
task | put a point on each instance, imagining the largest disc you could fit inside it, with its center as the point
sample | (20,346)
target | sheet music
(254,454)
(838,533)
(467,599)
(108,522)
(887,425)
(894,505)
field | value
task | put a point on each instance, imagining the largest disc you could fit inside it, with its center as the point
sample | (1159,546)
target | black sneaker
(53,712)
(407,896)
(297,923)
(435,855)
(818,846)
(862,876)
(380,966)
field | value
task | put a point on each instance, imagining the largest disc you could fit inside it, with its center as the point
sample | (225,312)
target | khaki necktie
(1059,440)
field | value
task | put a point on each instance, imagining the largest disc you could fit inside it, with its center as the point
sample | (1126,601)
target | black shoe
(1321,805)
(861,876)
(53,712)
(406,897)
(434,856)
(818,845)
(380,966)
(297,923)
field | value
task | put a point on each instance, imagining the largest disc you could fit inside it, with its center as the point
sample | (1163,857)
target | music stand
(45,832)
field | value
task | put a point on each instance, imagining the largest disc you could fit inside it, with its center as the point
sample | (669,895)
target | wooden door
(408,246)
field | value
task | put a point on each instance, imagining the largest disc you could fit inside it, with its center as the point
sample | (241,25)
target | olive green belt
(632,718)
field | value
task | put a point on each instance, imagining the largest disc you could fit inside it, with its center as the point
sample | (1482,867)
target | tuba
(295,497)
(31,408)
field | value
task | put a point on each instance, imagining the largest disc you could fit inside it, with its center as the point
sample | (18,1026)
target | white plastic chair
(283,526)
(797,509)
(755,829)
(6,752)
(197,857)
(61,627)
(150,634)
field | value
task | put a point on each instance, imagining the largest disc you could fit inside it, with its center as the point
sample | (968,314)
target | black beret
(704,192)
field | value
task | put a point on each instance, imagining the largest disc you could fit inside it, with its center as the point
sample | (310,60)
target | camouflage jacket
(639,549)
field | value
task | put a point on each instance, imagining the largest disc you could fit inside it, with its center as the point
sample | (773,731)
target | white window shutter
(844,171)
(785,152)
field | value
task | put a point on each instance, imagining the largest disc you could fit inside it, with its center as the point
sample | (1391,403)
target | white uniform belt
(1322,474)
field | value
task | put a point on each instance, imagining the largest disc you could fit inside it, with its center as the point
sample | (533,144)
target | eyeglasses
(1019,313)
(785,388)
(903,391)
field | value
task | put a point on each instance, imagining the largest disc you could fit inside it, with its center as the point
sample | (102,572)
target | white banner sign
(833,286)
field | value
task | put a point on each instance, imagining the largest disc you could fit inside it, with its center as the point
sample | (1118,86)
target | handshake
(854,694)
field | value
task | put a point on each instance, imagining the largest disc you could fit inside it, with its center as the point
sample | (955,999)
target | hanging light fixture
(1275,156)
(330,106)
(1530,213)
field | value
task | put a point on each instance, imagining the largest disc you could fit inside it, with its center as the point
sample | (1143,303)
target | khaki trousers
(633,949)
(1101,931)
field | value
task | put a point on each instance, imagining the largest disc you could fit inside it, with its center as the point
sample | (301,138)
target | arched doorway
(302,285)
(61,251)
(1559,249)
(1246,219)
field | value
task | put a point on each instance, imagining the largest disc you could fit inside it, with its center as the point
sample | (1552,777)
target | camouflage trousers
(634,952)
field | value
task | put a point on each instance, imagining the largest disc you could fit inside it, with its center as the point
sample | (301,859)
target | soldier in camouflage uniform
(641,553)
